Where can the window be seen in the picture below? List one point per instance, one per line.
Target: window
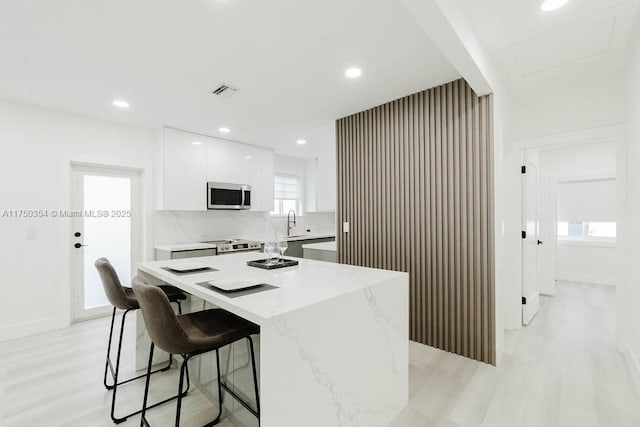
(287, 194)
(587, 230)
(587, 210)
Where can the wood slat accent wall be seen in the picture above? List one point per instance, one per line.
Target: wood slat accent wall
(415, 183)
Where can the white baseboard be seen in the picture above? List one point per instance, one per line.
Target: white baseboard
(33, 327)
(634, 364)
(598, 279)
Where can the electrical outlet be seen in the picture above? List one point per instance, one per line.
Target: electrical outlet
(31, 233)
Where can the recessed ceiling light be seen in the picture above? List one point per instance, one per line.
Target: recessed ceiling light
(224, 130)
(549, 5)
(247, 157)
(120, 103)
(301, 141)
(197, 143)
(353, 73)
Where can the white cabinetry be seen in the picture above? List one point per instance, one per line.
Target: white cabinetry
(220, 160)
(184, 165)
(266, 178)
(187, 167)
(252, 159)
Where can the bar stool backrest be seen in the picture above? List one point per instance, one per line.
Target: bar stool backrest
(112, 286)
(159, 318)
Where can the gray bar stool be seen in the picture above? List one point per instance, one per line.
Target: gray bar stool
(123, 298)
(191, 335)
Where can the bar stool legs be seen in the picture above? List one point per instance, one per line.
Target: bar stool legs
(115, 372)
(184, 372)
(179, 396)
(255, 412)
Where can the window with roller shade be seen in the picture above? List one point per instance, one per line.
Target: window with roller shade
(287, 194)
(587, 210)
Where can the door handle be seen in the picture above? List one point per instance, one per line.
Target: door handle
(79, 245)
(539, 242)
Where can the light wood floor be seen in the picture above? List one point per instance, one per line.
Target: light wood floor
(562, 370)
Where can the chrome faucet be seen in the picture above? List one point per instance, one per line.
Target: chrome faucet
(289, 226)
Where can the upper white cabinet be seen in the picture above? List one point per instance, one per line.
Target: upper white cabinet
(191, 160)
(184, 167)
(265, 177)
(221, 159)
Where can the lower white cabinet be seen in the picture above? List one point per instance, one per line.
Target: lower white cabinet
(191, 160)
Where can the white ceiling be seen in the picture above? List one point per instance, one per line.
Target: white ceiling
(165, 56)
(579, 44)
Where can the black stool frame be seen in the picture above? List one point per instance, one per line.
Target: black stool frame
(184, 371)
(108, 367)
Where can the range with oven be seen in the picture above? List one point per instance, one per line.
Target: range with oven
(235, 245)
(208, 248)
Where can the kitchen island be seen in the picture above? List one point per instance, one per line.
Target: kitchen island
(333, 338)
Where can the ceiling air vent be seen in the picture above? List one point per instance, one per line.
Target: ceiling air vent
(224, 91)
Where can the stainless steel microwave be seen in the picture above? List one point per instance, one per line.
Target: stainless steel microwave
(221, 195)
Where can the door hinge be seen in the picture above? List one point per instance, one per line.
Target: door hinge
(524, 300)
(523, 169)
(524, 234)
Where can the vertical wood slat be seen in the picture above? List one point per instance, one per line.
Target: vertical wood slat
(415, 182)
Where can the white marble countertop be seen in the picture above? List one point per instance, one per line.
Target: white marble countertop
(185, 246)
(306, 284)
(324, 246)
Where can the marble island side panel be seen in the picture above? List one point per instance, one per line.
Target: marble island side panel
(344, 360)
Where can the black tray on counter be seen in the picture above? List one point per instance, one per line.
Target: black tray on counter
(281, 263)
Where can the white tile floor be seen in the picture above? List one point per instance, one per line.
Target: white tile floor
(562, 370)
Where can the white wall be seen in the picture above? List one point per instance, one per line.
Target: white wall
(311, 185)
(508, 267)
(37, 148)
(629, 227)
(326, 169)
(289, 165)
(540, 114)
(587, 262)
(575, 161)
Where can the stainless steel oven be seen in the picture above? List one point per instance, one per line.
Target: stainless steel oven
(235, 245)
(221, 195)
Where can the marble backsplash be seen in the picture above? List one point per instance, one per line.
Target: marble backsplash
(196, 226)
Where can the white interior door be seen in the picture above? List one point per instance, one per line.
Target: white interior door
(548, 232)
(105, 223)
(530, 292)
